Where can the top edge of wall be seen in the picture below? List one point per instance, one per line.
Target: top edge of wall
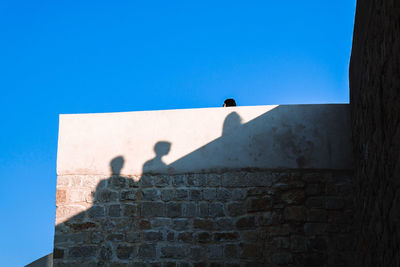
(310, 136)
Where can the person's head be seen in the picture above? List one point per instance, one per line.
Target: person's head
(230, 102)
(116, 165)
(162, 148)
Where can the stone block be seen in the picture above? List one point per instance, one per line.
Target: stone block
(315, 202)
(282, 258)
(293, 197)
(146, 180)
(203, 224)
(197, 180)
(334, 203)
(96, 212)
(197, 253)
(234, 180)
(224, 194)
(82, 252)
(278, 242)
(314, 189)
(153, 209)
(251, 235)
(215, 252)
(179, 180)
(213, 180)
(189, 210)
(61, 196)
(167, 194)
(117, 182)
(162, 180)
(216, 210)
(114, 210)
(195, 194)
(130, 194)
(133, 237)
(316, 215)
(129, 210)
(170, 236)
(152, 236)
(235, 209)
(173, 252)
(150, 194)
(294, 213)
(180, 224)
(248, 222)
(231, 251)
(279, 230)
(224, 223)
(271, 218)
(186, 237)
(319, 244)
(239, 194)
(315, 228)
(257, 204)
(182, 194)
(115, 237)
(298, 243)
(125, 252)
(96, 238)
(259, 179)
(161, 223)
(106, 252)
(209, 194)
(147, 251)
(174, 209)
(250, 251)
(105, 195)
(203, 209)
(226, 236)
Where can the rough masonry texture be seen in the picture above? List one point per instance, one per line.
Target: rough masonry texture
(241, 218)
(247, 186)
(375, 103)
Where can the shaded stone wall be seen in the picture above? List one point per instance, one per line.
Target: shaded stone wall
(375, 104)
(237, 218)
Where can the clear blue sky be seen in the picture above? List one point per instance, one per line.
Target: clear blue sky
(108, 56)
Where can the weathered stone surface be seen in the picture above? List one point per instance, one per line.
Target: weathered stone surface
(147, 251)
(153, 209)
(374, 97)
(82, 252)
(177, 220)
(173, 252)
(124, 252)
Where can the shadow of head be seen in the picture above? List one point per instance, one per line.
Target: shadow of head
(116, 165)
(162, 148)
(232, 122)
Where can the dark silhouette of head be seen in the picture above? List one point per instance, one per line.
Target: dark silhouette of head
(162, 148)
(230, 102)
(116, 165)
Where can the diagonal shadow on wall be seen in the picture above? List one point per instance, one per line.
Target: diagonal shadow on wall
(159, 217)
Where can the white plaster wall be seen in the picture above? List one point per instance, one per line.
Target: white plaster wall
(286, 136)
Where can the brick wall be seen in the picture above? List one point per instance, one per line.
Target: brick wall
(375, 103)
(240, 218)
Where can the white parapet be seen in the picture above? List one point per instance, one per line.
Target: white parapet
(208, 139)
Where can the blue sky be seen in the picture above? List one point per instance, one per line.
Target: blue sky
(107, 56)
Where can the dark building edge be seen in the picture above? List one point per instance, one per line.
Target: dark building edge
(375, 106)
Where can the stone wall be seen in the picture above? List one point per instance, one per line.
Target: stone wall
(235, 218)
(375, 103)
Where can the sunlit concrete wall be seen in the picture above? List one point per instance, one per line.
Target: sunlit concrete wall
(194, 140)
(244, 186)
